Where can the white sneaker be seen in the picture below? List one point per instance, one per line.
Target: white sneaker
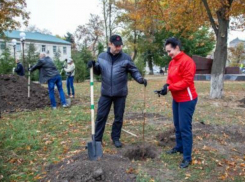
(54, 108)
(65, 106)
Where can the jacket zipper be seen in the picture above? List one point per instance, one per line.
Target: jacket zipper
(111, 72)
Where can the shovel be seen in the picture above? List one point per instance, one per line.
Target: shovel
(94, 147)
(29, 82)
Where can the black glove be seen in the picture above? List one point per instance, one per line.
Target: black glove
(91, 64)
(164, 90)
(158, 92)
(29, 69)
(145, 82)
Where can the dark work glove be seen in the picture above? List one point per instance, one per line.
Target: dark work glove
(164, 90)
(158, 92)
(91, 64)
(145, 82)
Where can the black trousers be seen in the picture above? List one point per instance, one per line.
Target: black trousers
(104, 107)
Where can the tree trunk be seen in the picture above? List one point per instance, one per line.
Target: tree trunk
(135, 48)
(150, 64)
(110, 16)
(105, 22)
(220, 57)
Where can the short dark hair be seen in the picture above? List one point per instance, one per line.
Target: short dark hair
(174, 42)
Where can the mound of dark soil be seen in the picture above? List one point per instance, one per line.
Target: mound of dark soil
(79, 169)
(13, 94)
(140, 151)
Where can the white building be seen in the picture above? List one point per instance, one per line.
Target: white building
(42, 42)
(235, 42)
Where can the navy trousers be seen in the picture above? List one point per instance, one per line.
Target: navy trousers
(182, 115)
(104, 107)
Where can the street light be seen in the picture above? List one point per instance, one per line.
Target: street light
(14, 45)
(22, 39)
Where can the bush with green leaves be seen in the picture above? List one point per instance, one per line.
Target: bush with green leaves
(31, 57)
(7, 62)
(81, 59)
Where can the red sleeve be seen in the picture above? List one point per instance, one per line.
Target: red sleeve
(188, 73)
(169, 66)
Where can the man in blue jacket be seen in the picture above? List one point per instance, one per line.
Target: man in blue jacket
(19, 68)
(113, 66)
(48, 73)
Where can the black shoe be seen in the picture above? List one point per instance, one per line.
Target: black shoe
(173, 151)
(117, 143)
(185, 164)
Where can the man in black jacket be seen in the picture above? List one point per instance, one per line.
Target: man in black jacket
(48, 73)
(113, 66)
(19, 68)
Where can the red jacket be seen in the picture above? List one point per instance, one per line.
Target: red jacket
(181, 72)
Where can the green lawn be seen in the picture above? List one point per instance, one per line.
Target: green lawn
(29, 141)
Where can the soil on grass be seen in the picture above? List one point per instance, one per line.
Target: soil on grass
(166, 138)
(140, 151)
(79, 168)
(242, 103)
(14, 96)
(210, 135)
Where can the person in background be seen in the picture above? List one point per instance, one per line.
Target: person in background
(19, 68)
(70, 73)
(48, 73)
(113, 66)
(180, 82)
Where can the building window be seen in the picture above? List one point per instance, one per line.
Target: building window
(64, 50)
(2, 45)
(18, 47)
(43, 48)
(54, 49)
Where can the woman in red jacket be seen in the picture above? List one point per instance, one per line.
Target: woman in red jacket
(180, 83)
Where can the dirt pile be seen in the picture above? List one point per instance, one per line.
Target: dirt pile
(13, 94)
(140, 151)
(79, 169)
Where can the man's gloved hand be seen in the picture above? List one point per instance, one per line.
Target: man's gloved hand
(145, 82)
(29, 69)
(91, 64)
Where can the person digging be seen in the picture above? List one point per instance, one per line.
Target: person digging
(48, 73)
(113, 66)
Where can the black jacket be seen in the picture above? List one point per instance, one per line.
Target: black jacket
(20, 69)
(47, 69)
(114, 74)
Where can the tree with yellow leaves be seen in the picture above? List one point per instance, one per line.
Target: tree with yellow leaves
(9, 10)
(189, 15)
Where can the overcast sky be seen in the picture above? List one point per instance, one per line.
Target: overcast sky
(62, 16)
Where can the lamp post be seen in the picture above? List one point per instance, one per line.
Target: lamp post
(14, 46)
(22, 39)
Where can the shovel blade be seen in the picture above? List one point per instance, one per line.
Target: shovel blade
(94, 150)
